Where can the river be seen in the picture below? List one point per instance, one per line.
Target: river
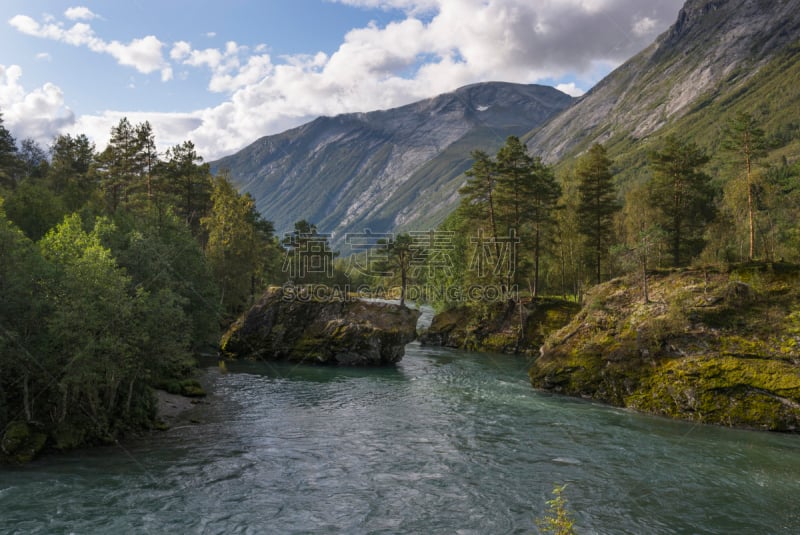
(445, 442)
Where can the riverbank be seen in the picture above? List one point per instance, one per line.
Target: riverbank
(186, 405)
(172, 407)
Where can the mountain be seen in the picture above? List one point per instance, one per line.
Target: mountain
(385, 170)
(401, 169)
(719, 57)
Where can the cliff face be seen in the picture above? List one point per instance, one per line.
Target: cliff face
(713, 347)
(288, 325)
(385, 170)
(711, 52)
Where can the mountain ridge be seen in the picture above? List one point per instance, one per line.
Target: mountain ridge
(400, 169)
(713, 48)
(387, 169)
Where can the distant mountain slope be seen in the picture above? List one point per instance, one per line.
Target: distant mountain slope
(720, 56)
(385, 170)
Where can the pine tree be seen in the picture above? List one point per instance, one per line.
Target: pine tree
(71, 174)
(398, 261)
(187, 181)
(146, 158)
(745, 141)
(127, 163)
(598, 204)
(9, 162)
(682, 196)
(542, 205)
(478, 194)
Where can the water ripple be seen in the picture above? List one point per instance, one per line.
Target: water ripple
(445, 442)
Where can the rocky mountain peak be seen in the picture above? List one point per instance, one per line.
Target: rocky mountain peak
(385, 170)
(692, 14)
(713, 46)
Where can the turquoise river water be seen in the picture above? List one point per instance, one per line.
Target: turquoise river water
(445, 442)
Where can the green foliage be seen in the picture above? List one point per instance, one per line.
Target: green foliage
(71, 172)
(9, 162)
(107, 339)
(159, 254)
(744, 139)
(682, 197)
(527, 194)
(22, 307)
(309, 258)
(35, 208)
(507, 214)
(397, 264)
(597, 204)
(119, 290)
(185, 182)
(558, 519)
(238, 245)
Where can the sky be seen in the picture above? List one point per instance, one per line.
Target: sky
(223, 74)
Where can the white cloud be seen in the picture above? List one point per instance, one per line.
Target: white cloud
(142, 54)
(432, 47)
(409, 6)
(39, 114)
(80, 13)
(44, 56)
(571, 89)
(383, 66)
(644, 26)
(230, 68)
(170, 129)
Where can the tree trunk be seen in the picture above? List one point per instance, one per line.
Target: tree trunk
(26, 399)
(130, 397)
(645, 289)
(536, 245)
(748, 166)
(403, 282)
(752, 253)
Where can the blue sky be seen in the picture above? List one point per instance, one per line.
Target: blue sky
(226, 73)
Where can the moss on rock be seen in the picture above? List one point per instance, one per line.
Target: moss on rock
(507, 327)
(21, 443)
(749, 392)
(711, 346)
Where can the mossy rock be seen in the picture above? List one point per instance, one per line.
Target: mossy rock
(742, 392)
(191, 389)
(708, 347)
(21, 442)
(183, 387)
(284, 325)
(507, 327)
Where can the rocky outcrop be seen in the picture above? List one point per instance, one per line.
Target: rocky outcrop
(510, 327)
(288, 325)
(709, 346)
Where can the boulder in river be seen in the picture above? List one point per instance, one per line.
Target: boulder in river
(288, 325)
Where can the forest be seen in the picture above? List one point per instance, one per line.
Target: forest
(118, 267)
(576, 224)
